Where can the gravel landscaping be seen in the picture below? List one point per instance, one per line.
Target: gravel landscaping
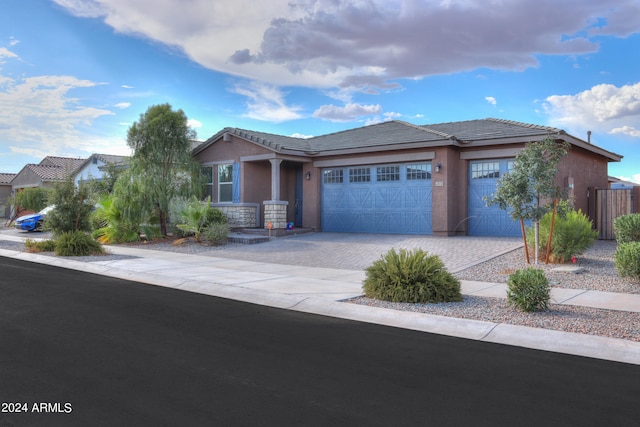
(599, 274)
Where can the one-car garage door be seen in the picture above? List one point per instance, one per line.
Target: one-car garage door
(488, 220)
(393, 199)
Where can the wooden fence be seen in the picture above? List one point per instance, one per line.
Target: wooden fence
(611, 204)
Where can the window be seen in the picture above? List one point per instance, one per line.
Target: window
(332, 176)
(388, 173)
(207, 172)
(360, 175)
(225, 183)
(485, 170)
(419, 171)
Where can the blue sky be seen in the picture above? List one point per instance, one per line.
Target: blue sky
(75, 74)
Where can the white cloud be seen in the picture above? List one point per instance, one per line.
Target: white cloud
(322, 43)
(491, 100)
(349, 112)
(127, 87)
(39, 114)
(123, 105)
(193, 123)
(301, 135)
(634, 178)
(6, 53)
(626, 130)
(604, 108)
(266, 102)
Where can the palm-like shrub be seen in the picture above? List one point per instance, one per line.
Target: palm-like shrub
(573, 234)
(627, 260)
(528, 290)
(111, 226)
(627, 228)
(193, 217)
(411, 277)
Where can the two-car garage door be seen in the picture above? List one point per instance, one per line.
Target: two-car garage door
(393, 198)
(396, 199)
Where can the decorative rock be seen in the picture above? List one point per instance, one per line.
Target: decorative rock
(568, 269)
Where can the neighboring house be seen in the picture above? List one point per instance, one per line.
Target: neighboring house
(393, 177)
(616, 183)
(95, 166)
(46, 173)
(5, 193)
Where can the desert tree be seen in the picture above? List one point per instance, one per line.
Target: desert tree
(161, 164)
(529, 187)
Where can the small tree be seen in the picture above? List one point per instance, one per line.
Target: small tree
(72, 208)
(532, 180)
(29, 199)
(162, 164)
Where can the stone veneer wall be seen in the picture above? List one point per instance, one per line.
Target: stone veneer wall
(275, 211)
(240, 215)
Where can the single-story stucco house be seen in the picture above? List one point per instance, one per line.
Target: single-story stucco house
(96, 166)
(5, 193)
(50, 170)
(392, 177)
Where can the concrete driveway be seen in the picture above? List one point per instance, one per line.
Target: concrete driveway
(350, 251)
(354, 251)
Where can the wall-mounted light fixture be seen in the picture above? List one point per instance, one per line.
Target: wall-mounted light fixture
(308, 176)
(438, 167)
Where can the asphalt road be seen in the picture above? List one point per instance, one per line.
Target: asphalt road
(79, 349)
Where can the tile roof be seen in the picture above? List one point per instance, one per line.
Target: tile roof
(69, 163)
(5, 178)
(394, 134)
(48, 172)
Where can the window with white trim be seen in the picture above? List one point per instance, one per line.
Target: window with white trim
(207, 172)
(225, 183)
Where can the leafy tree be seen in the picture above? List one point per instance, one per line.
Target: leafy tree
(162, 164)
(99, 187)
(531, 181)
(29, 199)
(73, 208)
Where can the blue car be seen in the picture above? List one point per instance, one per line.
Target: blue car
(34, 221)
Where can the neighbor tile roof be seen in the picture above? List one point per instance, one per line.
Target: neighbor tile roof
(5, 178)
(69, 163)
(49, 172)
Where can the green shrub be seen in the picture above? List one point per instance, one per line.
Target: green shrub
(528, 290)
(411, 277)
(573, 234)
(216, 233)
(77, 243)
(627, 228)
(627, 259)
(216, 216)
(34, 246)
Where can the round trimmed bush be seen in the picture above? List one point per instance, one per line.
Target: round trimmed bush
(627, 260)
(528, 290)
(627, 228)
(411, 277)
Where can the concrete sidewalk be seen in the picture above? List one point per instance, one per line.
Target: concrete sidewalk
(319, 291)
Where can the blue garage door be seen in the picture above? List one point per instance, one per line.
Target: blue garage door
(488, 220)
(393, 199)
